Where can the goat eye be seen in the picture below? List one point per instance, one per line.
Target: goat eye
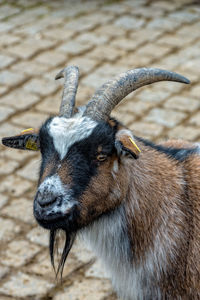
(101, 157)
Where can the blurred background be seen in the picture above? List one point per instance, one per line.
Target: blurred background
(103, 38)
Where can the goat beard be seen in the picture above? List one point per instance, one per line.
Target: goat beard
(53, 247)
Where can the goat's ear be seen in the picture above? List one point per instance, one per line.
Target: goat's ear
(27, 140)
(125, 144)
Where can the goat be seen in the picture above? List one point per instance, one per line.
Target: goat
(135, 202)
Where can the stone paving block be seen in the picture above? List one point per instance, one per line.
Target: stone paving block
(30, 47)
(135, 4)
(20, 99)
(50, 105)
(11, 78)
(93, 38)
(30, 170)
(165, 5)
(126, 45)
(7, 168)
(86, 290)
(8, 231)
(153, 96)
(5, 27)
(24, 51)
(184, 132)
(41, 87)
(15, 186)
(3, 90)
(84, 94)
(125, 117)
(173, 40)
(164, 24)
(18, 155)
(3, 201)
(106, 53)
(31, 68)
(134, 60)
(153, 50)
(195, 119)
(94, 80)
(69, 9)
(42, 265)
(81, 252)
(30, 119)
(102, 74)
(144, 35)
(7, 39)
(129, 22)
(189, 33)
(74, 48)
(5, 112)
(110, 31)
(96, 270)
(39, 236)
(135, 106)
(195, 91)
(60, 34)
(6, 129)
(148, 12)
(182, 103)
(51, 58)
(189, 52)
(8, 10)
(146, 130)
(190, 68)
(89, 22)
(117, 8)
(18, 253)
(20, 19)
(168, 118)
(171, 62)
(21, 209)
(185, 16)
(6, 61)
(3, 271)
(23, 285)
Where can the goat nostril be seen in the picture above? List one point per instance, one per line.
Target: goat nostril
(46, 202)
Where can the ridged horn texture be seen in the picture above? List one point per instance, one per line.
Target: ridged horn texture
(111, 93)
(71, 75)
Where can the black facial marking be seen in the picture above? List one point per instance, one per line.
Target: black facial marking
(83, 156)
(47, 148)
(179, 154)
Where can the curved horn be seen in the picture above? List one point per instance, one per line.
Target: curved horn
(111, 93)
(71, 75)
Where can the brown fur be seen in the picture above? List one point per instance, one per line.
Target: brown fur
(163, 190)
(102, 186)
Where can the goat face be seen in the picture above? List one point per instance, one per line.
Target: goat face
(80, 177)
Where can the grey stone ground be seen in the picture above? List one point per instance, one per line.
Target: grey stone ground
(38, 38)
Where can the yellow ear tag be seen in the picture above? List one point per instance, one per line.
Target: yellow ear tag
(32, 145)
(134, 144)
(27, 130)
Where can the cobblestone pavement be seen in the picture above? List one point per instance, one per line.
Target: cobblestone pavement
(38, 38)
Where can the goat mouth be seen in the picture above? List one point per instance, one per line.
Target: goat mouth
(52, 220)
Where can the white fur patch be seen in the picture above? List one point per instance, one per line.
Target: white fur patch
(53, 187)
(66, 132)
(108, 238)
